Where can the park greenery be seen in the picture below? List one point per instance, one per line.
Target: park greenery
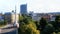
(29, 26)
(3, 23)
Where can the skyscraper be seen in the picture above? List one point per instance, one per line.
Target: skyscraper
(23, 9)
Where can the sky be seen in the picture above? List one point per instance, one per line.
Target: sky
(38, 6)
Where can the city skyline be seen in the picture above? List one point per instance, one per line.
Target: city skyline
(40, 6)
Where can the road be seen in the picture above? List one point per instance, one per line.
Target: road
(8, 30)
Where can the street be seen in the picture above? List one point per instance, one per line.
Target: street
(9, 31)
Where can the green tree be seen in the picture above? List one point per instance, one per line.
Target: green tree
(27, 25)
(3, 22)
(43, 23)
(57, 24)
(49, 29)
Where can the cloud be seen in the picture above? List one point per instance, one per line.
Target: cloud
(33, 5)
(44, 5)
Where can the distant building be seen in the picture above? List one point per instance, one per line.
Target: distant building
(53, 17)
(14, 19)
(47, 17)
(31, 13)
(38, 16)
(7, 17)
(10, 17)
(23, 9)
(1, 17)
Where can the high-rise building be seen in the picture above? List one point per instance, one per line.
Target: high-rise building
(23, 9)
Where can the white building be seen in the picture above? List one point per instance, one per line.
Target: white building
(10, 17)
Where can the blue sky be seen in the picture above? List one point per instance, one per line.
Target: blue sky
(40, 6)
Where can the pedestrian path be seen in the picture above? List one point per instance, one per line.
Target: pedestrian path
(8, 25)
(7, 30)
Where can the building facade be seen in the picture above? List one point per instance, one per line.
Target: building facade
(23, 9)
(1, 17)
(38, 16)
(10, 17)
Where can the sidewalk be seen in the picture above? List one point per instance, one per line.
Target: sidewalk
(8, 25)
(7, 30)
